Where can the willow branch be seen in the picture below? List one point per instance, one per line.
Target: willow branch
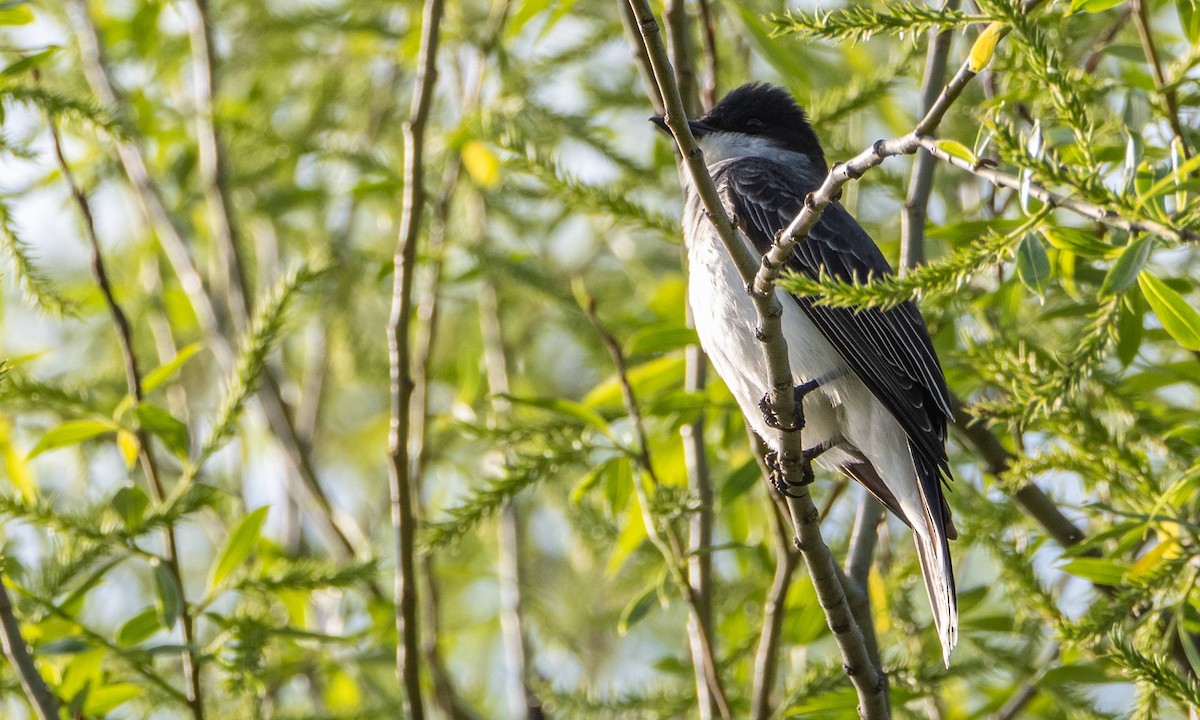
(191, 668)
(920, 183)
(708, 91)
(399, 357)
(868, 681)
(679, 40)
(766, 658)
(1083, 208)
(666, 542)
(200, 296)
(44, 702)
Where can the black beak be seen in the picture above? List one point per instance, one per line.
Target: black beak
(699, 127)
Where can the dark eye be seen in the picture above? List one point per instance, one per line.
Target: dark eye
(754, 124)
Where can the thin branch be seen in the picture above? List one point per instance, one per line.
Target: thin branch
(522, 702)
(1080, 207)
(920, 183)
(666, 543)
(191, 667)
(766, 659)
(641, 59)
(863, 539)
(400, 359)
(1029, 689)
(868, 681)
(708, 91)
(44, 702)
(1141, 20)
(682, 58)
(1103, 40)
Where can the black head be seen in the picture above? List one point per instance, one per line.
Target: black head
(765, 111)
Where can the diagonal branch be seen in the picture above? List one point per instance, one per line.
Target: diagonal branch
(44, 702)
(400, 361)
(191, 666)
(868, 681)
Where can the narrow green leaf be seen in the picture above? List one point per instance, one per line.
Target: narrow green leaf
(1189, 18)
(1094, 6)
(168, 597)
(637, 609)
(1079, 241)
(958, 150)
(71, 432)
(16, 15)
(241, 543)
(1097, 570)
(1125, 270)
(1033, 266)
(985, 46)
(138, 628)
(161, 424)
(167, 370)
(740, 481)
(28, 62)
(1178, 318)
(660, 339)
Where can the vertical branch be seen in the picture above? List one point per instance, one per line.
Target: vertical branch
(44, 702)
(695, 456)
(666, 542)
(211, 156)
(191, 668)
(522, 702)
(641, 59)
(399, 356)
(708, 91)
(787, 559)
(920, 183)
(1170, 101)
(863, 539)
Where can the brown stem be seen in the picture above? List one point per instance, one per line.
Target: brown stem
(191, 668)
(766, 659)
(400, 359)
(44, 702)
(708, 92)
(666, 543)
(1141, 20)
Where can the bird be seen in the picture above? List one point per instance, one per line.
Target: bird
(869, 387)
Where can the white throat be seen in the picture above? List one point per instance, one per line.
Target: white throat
(718, 146)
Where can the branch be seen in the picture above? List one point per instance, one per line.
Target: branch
(1080, 207)
(680, 42)
(44, 702)
(666, 543)
(1141, 20)
(766, 659)
(522, 702)
(708, 93)
(400, 357)
(191, 667)
(868, 681)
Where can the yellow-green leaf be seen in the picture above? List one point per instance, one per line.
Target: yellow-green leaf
(958, 150)
(16, 15)
(15, 467)
(241, 543)
(985, 46)
(72, 432)
(129, 446)
(481, 163)
(1178, 318)
(1094, 6)
(139, 627)
(1125, 270)
(167, 370)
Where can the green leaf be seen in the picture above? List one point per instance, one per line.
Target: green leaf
(28, 62)
(1178, 318)
(1094, 6)
(1033, 267)
(1130, 330)
(167, 370)
(1189, 18)
(1097, 570)
(637, 609)
(139, 628)
(568, 408)
(592, 479)
(168, 597)
(15, 15)
(1125, 270)
(241, 543)
(958, 150)
(131, 503)
(1079, 241)
(110, 696)
(660, 339)
(740, 481)
(161, 424)
(71, 432)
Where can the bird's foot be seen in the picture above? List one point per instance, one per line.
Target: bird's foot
(779, 479)
(799, 392)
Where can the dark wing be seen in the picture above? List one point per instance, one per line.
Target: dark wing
(889, 350)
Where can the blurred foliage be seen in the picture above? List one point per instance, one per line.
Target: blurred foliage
(1076, 344)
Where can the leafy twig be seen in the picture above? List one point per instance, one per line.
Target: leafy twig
(44, 702)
